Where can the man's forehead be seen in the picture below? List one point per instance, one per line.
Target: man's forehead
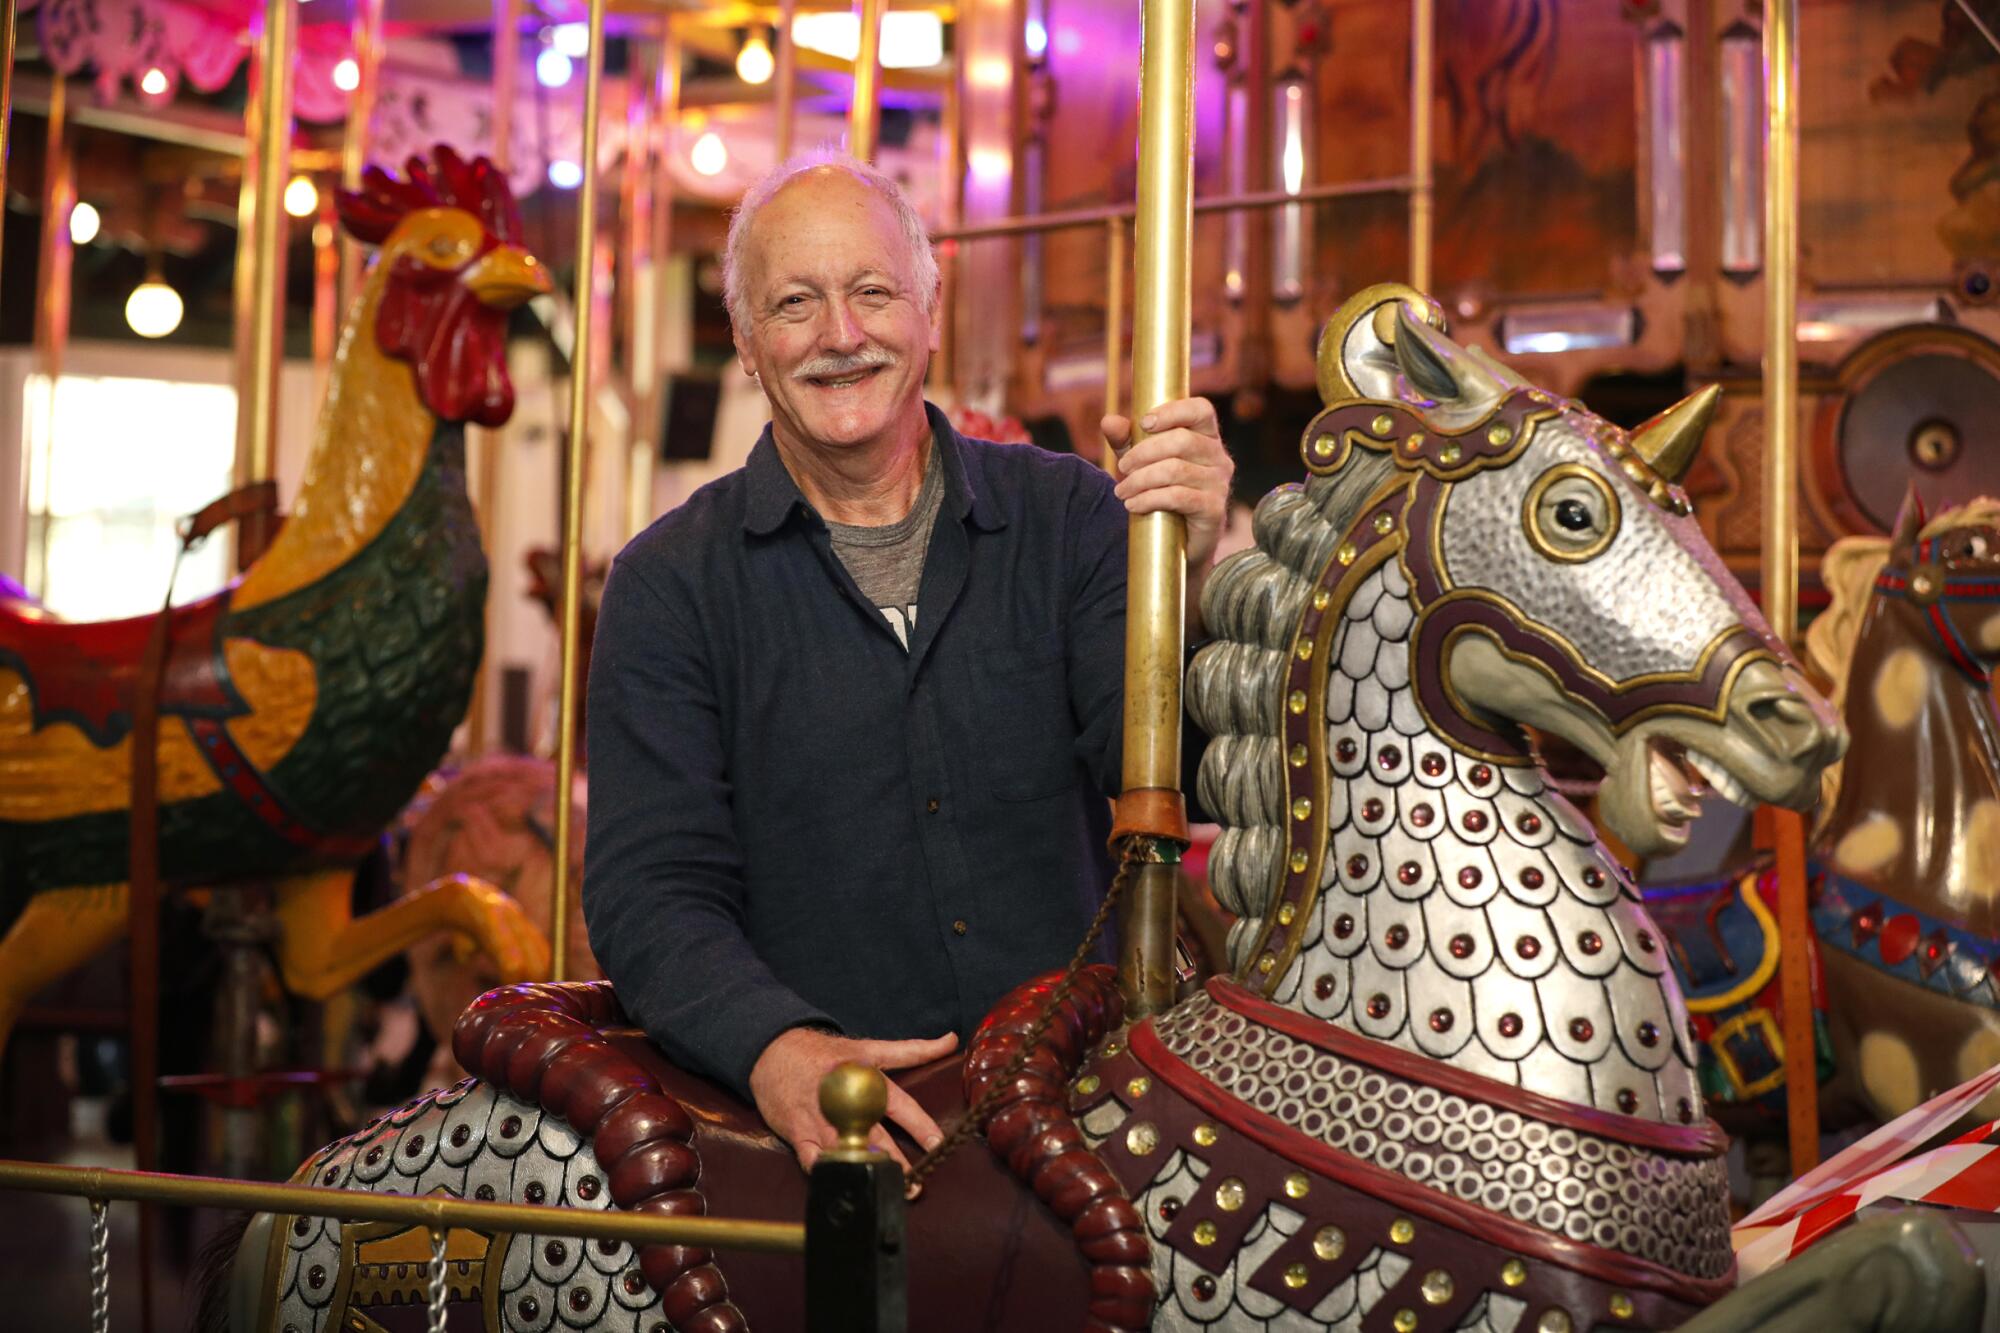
(825, 226)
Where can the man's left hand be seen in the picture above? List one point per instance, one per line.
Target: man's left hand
(1181, 467)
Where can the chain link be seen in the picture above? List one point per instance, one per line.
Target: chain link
(100, 1266)
(439, 1288)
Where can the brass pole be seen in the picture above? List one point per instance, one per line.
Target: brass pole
(787, 75)
(367, 38)
(53, 300)
(1114, 325)
(258, 399)
(864, 117)
(638, 285)
(574, 449)
(7, 88)
(486, 449)
(326, 293)
(1423, 83)
(1151, 812)
(1781, 540)
(654, 236)
(436, 1210)
(950, 168)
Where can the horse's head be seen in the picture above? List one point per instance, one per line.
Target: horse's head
(1558, 580)
(1947, 567)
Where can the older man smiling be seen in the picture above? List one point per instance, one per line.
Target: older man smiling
(854, 708)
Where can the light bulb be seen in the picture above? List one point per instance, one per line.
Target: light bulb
(1037, 39)
(83, 224)
(572, 39)
(553, 68)
(754, 63)
(347, 75)
(709, 154)
(301, 197)
(153, 309)
(153, 82)
(564, 174)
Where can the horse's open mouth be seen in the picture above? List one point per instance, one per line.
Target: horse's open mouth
(1679, 777)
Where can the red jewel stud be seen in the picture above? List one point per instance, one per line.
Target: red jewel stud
(1686, 1112)
(1409, 872)
(1628, 1100)
(1420, 815)
(1647, 942)
(1357, 866)
(1475, 821)
(1531, 824)
(1481, 775)
(1343, 926)
(1469, 877)
(1396, 937)
(1389, 757)
(1441, 1020)
(1345, 751)
(1371, 810)
(1593, 877)
(1531, 878)
(1580, 1029)
(1461, 946)
(1590, 942)
(1378, 1006)
(1649, 1034)
(1433, 765)
(1528, 946)
(1510, 1026)
(1323, 987)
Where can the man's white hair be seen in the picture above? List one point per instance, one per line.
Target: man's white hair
(923, 267)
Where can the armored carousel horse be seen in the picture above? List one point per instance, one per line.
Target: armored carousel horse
(1449, 1084)
(1905, 872)
(303, 704)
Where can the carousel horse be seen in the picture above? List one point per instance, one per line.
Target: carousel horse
(303, 704)
(1906, 863)
(1449, 1084)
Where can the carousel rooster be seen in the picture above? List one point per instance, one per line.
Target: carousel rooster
(302, 705)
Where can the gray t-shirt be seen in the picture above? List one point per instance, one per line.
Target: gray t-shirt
(887, 563)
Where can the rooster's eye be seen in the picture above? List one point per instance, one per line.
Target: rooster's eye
(442, 246)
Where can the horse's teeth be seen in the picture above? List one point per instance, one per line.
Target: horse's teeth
(1718, 779)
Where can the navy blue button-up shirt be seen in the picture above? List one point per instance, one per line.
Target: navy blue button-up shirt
(794, 820)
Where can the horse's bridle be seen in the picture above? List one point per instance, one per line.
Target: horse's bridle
(1928, 587)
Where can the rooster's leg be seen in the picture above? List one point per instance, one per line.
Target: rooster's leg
(58, 932)
(322, 949)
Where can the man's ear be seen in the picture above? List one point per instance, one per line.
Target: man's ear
(743, 357)
(937, 317)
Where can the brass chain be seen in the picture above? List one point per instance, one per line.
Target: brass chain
(438, 1286)
(975, 1115)
(100, 1266)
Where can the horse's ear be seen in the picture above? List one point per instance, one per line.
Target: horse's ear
(1357, 349)
(1910, 519)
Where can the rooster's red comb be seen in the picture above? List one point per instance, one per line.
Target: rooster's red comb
(446, 181)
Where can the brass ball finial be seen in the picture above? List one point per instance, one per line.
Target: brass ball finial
(853, 1098)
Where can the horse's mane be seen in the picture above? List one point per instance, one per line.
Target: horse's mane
(1252, 604)
(1848, 571)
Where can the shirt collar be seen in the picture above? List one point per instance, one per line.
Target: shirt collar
(773, 495)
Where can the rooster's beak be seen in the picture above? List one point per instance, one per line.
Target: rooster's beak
(506, 276)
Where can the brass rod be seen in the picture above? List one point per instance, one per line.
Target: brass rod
(326, 292)
(864, 116)
(52, 310)
(944, 366)
(1780, 588)
(440, 1211)
(638, 284)
(267, 308)
(787, 75)
(1979, 23)
(367, 38)
(1114, 325)
(1093, 217)
(1423, 82)
(574, 449)
(7, 88)
(1151, 812)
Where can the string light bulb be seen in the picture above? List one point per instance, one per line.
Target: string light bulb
(553, 68)
(153, 82)
(153, 310)
(83, 224)
(347, 75)
(709, 155)
(301, 197)
(754, 63)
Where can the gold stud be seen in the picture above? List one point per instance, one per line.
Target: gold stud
(1112, 1048)
(1636, 470)
(1305, 649)
(1323, 446)
(1328, 1242)
(1205, 1135)
(1142, 1138)
(1385, 523)
(1513, 1272)
(1229, 1195)
(1382, 424)
(1204, 1233)
(1346, 553)
(1296, 1276)
(1266, 963)
(1298, 861)
(1298, 756)
(1296, 1185)
(1405, 1321)
(1302, 808)
(1415, 442)
(1402, 1231)
(1499, 433)
(1297, 702)
(1621, 1305)
(1437, 1287)
(1086, 1085)
(1138, 1087)
(1553, 1321)
(1287, 913)
(1322, 600)
(1449, 455)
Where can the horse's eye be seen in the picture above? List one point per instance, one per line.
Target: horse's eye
(1573, 515)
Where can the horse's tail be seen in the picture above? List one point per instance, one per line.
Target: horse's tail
(225, 1276)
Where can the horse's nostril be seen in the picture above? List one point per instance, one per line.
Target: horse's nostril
(1781, 709)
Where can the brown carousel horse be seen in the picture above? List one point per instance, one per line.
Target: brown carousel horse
(1906, 861)
(1449, 1085)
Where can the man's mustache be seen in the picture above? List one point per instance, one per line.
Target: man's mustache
(831, 364)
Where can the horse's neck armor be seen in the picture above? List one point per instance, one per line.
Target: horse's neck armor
(1466, 912)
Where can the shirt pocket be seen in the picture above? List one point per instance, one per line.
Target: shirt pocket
(1030, 739)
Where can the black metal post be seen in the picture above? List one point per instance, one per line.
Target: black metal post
(857, 1273)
